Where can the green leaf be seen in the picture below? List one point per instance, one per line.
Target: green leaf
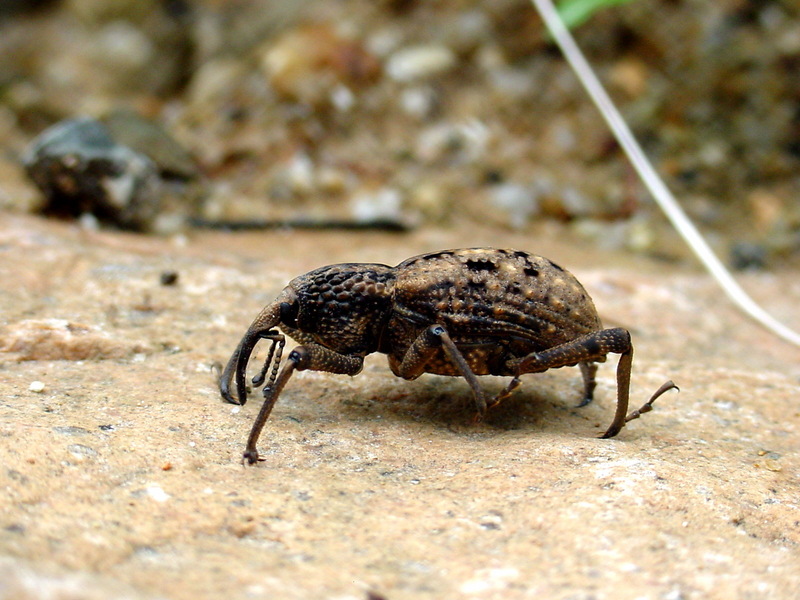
(577, 12)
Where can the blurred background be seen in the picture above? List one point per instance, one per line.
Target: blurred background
(403, 113)
(126, 126)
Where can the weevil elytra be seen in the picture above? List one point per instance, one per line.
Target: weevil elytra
(463, 313)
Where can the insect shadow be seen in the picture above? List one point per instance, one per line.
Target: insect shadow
(447, 403)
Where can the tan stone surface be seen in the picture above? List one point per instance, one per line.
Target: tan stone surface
(121, 478)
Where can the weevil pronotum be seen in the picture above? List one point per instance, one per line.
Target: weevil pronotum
(464, 313)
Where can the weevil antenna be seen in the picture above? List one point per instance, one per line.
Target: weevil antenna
(275, 351)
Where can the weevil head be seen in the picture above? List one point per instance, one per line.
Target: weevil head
(342, 307)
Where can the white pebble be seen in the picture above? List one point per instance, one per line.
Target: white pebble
(418, 101)
(419, 62)
(342, 98)
(122, 43)
(466, 142)
(385, 203)
(518, 201)
(300, 173)
(157, 493)
(36, 386)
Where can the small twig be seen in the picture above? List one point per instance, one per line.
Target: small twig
(386, 224)
(651, 179)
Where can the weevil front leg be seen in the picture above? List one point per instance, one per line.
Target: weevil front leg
(309, 357)
(588, 349)
(424, 347)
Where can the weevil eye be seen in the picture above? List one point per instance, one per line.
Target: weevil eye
(289, 313)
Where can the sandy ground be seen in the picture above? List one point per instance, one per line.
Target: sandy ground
(122, 476)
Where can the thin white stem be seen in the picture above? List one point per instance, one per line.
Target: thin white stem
(651, 179)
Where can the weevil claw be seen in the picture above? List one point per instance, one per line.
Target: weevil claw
(251, 457)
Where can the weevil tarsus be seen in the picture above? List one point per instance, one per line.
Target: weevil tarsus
(648, 406)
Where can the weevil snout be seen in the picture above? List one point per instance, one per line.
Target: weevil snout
(282, 311)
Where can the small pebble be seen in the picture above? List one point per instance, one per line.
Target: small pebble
(385, 203)
(300, 173)
(36, 386)
(316, 65)
(748, 256)
(168, 278)
(418, 102)
(466, 142)
(631, 76)
(71, 430)
(342, 98)
(518, 201)
(419, 62)
(81, 452)
(157, 493)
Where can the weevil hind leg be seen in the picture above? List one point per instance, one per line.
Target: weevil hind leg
(588, 349)
(589, 372)
(512, 386)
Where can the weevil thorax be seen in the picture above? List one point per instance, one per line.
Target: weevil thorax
(343, 307)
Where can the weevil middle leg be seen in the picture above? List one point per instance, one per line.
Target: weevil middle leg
(425, 346)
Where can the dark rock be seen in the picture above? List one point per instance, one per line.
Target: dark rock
(168, 278)
(748, 256)
(81, 169)
(10, 8)
(149, 138)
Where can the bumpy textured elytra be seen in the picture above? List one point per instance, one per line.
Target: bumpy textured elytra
(476, 311)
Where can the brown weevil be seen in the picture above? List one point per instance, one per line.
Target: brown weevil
(463, 313)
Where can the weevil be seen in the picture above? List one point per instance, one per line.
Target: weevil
(462, 313)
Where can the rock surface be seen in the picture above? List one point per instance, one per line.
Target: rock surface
(122, 478)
